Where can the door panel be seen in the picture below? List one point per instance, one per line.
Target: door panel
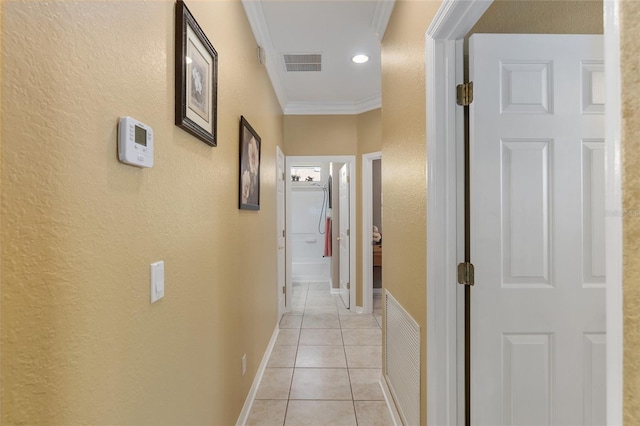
(537, 230)
(593, 195)
(525, 209)
(344, 235)
(526, 370)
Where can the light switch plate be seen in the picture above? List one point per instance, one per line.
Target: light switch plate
(157, 281)
(244, 364)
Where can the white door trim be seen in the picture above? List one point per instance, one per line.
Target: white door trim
(613, 203)
(351, 161)
(367, 225)
(453, 21)
(281, 309)
(445, 312)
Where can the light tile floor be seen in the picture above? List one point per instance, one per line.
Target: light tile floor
(325, 367)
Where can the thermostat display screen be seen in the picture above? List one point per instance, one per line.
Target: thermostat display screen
(141, 136)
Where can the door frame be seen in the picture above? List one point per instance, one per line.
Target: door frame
(445, 373)
(279, 206)
(346, 159)
(367, 223)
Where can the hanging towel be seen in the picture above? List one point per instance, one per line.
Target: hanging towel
(327, 238)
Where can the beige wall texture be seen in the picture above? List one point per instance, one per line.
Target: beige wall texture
(404, 163)
(540, 17)
(81, 343)
(315, 135)
(630, 64)
(318, 135)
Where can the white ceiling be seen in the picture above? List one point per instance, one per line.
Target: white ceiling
(336, 29)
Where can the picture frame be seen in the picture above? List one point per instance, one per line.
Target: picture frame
(196, 82)
(249, 183)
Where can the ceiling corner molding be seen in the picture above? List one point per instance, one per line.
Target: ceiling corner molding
(318, 108)
(257, 21)
(381, 16)
(333, 108)
(368, 104)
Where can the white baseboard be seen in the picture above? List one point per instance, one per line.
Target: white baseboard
(377, 291)
(248, 403)
(335, 291)
(359, 309)
(391, 405)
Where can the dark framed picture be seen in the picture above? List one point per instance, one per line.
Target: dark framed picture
(196, 78)
(249, 167)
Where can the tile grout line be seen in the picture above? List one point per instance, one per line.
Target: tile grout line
(306, 308)
(293, 372)
(344, 348)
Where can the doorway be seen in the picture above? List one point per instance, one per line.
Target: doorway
(444, 56)
(314, 266)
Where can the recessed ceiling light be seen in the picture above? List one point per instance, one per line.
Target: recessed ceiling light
(360, 59)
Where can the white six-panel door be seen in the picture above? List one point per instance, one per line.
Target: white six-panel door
(537, 230)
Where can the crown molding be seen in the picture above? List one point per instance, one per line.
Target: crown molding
(333, 108)
(381, 16)
(257, 21)
(256, 17)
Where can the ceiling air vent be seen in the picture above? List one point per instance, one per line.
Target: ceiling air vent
(303, 62)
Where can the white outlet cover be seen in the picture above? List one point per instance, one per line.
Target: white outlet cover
(157, 281)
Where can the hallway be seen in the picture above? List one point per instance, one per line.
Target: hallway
(326, 365)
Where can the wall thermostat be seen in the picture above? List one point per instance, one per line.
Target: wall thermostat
(135, 142)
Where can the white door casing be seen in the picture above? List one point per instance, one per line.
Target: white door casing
(280, 231)
(344, 235)
(537, 229)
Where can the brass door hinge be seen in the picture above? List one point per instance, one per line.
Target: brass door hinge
(284, 290)
(348, 286)
(283, 233)
(466, 274)
(348, 233)
(464, 95)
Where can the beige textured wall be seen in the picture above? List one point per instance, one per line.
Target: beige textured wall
(311, 135)
(540, 16)
(1, 185)
(81, 343)
(369, 131)
(404, 162)
(630, 45)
